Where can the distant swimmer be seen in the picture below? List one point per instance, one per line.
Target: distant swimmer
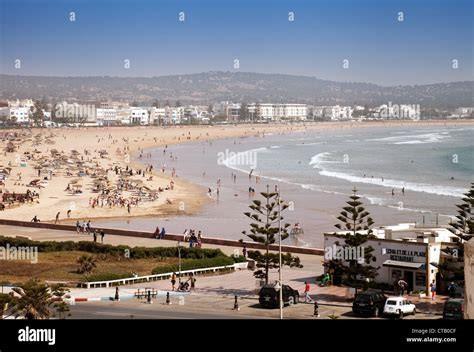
(403, 190)
(393, 192)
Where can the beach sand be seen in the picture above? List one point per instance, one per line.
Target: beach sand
(121, 146)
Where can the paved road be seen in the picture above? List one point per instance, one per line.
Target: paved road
(146, 311)
(210, 307)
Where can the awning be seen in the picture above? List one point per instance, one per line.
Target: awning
(405, 265)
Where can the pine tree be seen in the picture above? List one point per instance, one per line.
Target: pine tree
(356, 222)
(463, 227)
(453, 269)
(265, 230)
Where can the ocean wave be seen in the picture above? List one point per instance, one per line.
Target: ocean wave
(319, 160)
(435, 137)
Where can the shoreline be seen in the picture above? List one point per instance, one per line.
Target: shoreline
(145, 138)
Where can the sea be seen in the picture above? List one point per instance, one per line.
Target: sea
(402, 174)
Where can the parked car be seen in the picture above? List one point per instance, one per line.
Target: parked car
(370, 303)
(399, 306)
(454, 309)
(269, 296)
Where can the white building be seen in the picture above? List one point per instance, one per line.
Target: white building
(106, 116)
(277, 111)
(157, 115)
(173, 115)
(139, 116)
(20, 114)
(232, 112)
(337, 112)
(404, 251)
(397, 259)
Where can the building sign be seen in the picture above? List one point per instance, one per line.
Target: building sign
(403, 255)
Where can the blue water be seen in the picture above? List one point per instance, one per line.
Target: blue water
(316, 171)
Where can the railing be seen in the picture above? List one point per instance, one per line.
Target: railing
(164, 276)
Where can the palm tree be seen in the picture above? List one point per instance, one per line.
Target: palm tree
(87, 263)
(33, 300)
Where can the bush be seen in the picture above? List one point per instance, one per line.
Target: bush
(191, 264)
(107, 276)
(99, 248)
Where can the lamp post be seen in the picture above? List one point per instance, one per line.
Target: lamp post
(279, 254)
(179, 261)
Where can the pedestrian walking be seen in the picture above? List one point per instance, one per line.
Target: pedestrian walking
(307, 297)
(402, 286)
(102, 235)
(433, 290)
(173, 281)
(192, 281)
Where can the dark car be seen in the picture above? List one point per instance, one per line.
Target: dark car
(369, 303)
(269, 296)
(454, 309)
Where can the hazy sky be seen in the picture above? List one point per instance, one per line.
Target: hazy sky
(379, 48)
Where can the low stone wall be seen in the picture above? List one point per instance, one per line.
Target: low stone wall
(168, 236)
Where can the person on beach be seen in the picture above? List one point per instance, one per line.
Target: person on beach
(244, 251)
(94, 235)
(173, 281)
(117, 297)
(162, 233)
(102, 235)
(157, 233)
(57, 217)
(69, 213)
(199, 239)
(35, 219)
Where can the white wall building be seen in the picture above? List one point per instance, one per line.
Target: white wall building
(106, 116)
(173, 115)
(278, 111)
(397, 259)
(20, 114)
(405, 251)
(139, 116)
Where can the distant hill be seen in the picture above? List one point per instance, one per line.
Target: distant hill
(233, 86)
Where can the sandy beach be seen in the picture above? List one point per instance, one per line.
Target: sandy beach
(90, 173)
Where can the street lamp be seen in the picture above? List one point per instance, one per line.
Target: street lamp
(179, 261)
(279, 254)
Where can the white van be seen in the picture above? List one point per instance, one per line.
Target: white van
(399, 306)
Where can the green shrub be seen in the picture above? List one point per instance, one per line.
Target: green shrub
(99, 248)
(107, 276)
(190, 264)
